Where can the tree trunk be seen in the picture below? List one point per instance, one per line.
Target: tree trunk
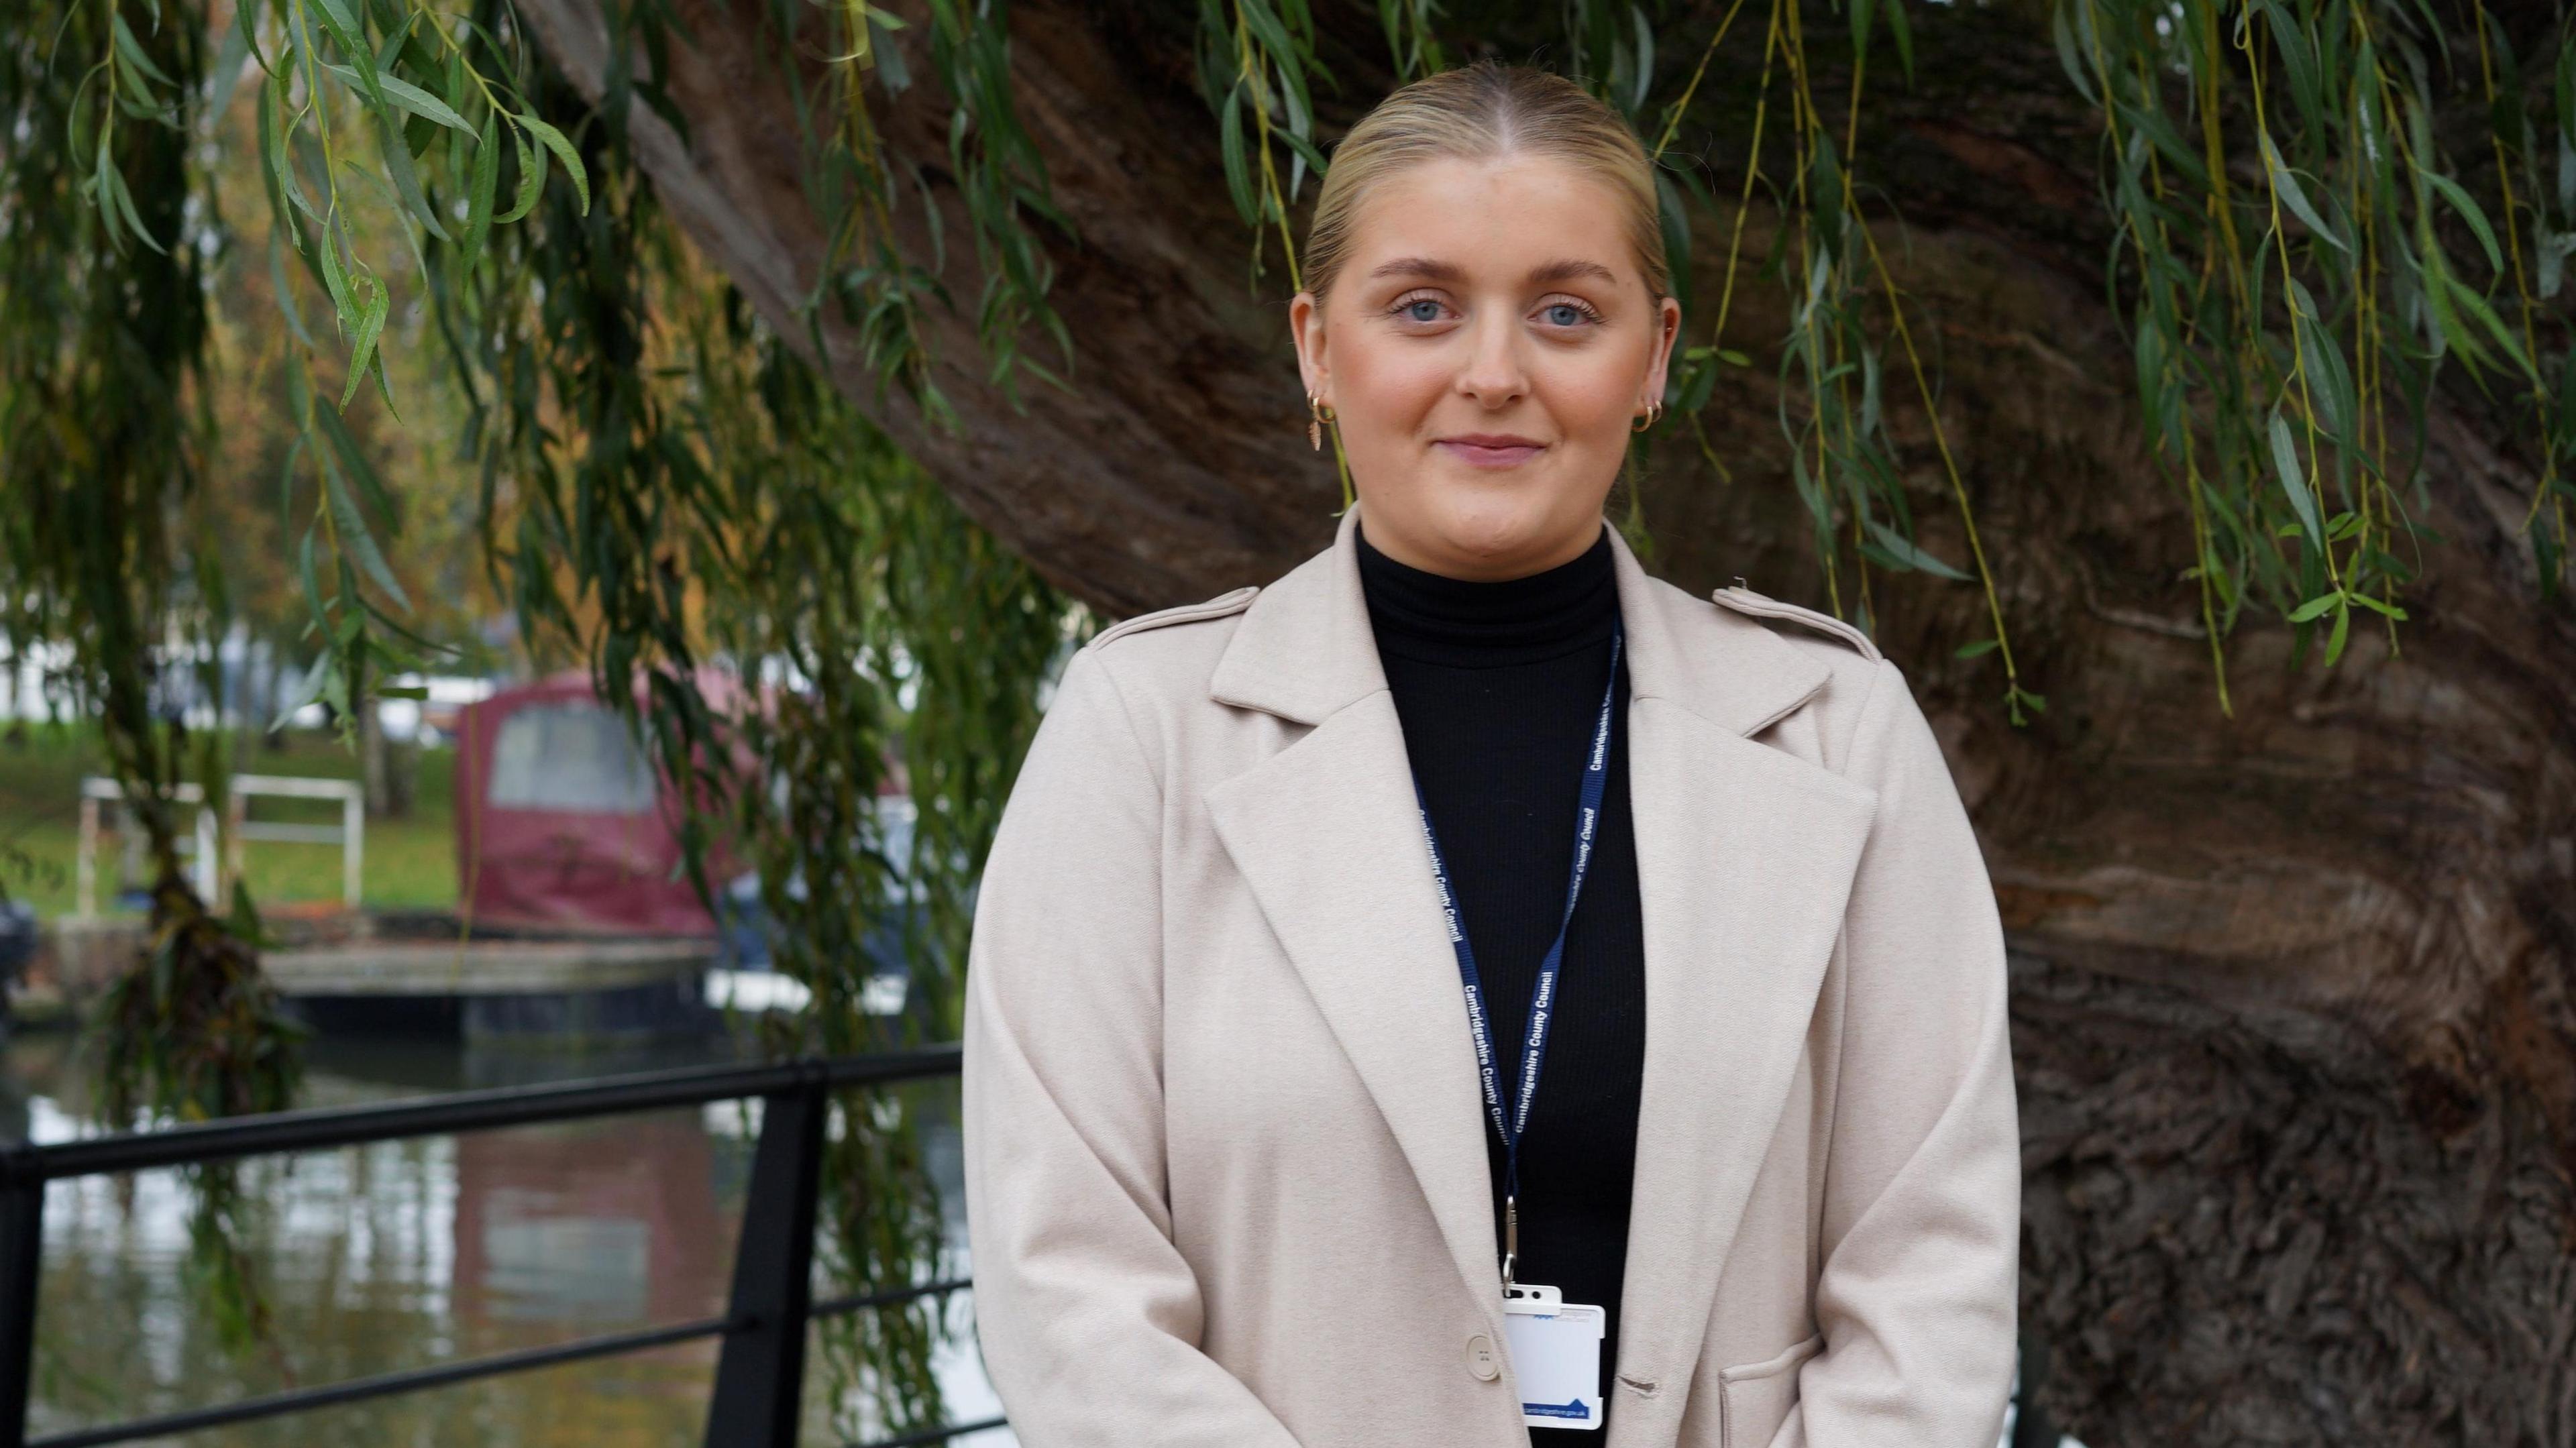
(2293, 988)
(387, 767)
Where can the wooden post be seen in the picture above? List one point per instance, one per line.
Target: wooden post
(85, 867)
(353, 832)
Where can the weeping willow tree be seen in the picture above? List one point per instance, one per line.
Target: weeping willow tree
(787, 607)
(2110, 361)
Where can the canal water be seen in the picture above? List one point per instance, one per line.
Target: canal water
(406, 1254)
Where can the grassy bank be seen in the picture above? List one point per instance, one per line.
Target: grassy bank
(409, 862)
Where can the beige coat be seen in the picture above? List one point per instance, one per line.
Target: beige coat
(1225, 1165)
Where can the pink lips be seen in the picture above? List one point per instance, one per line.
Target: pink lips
(1490, 449)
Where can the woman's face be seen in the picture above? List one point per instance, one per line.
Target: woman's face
(1485, 346)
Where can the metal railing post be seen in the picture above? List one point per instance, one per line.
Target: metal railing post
(22, 1256)
(760, 1376)
(2031, 1428)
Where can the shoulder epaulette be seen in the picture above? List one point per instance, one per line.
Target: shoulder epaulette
(1234, 601)
(1746, 601)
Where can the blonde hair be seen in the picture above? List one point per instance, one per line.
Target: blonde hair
(1478, 112)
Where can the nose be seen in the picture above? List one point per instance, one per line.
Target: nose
(1494, 374)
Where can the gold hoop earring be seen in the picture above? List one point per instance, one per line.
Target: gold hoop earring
(1654, 410)
(1317, 414)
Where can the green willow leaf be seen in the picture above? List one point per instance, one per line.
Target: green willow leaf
(554, 141)
(356, 541)
(286, 304)
(1271, 36)
(406, 180)
(1911, 555)
(1698, 380)
(2287, 183)
(132, 50)
(2299, 58)
(232, 59)
(273, 150)
(1641, 61)
(313, 595)
(2077, 72)
(2476, 306)
(2332, 385)
(337, 13)
(2437, 290)
(2315, 606)
(2335, 639)
(410, 99)
(479, 193)
(125, 207)
(304, 152)
(1238, 172)
(532, 179)
(2470, 212)
(353, 457)
(335, 279)
(102, 182)
(371, 325)
(1307, 155)
(2294, 479)
(2168, 142)
(347, 32)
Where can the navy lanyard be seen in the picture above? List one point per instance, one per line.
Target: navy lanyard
(1542, 1011)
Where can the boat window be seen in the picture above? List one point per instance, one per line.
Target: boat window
(573, 757)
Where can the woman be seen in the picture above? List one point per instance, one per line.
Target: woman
(1267, 1144)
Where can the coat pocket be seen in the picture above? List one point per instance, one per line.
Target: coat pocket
(1757, 1397)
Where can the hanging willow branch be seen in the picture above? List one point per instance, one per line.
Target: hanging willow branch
(665, 490)
(787, 609)
(103, 443)
(1844, 462)
(104, 439)
(2282, 328)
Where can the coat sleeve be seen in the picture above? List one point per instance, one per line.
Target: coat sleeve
(1921, 1219)
(1089, 1317)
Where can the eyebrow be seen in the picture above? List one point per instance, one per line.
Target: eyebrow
(1564, 269)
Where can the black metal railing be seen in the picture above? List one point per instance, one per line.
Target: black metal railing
(760, 1371)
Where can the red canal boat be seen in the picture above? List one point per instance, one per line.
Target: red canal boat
(563, 824)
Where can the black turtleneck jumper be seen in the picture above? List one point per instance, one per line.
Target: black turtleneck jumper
(1498, 686)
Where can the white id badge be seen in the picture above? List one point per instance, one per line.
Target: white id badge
(1556, 1355)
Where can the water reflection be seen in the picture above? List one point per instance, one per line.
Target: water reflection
(404, 1254)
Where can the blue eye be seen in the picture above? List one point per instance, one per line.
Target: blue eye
(1565, 314)
(1422, 309)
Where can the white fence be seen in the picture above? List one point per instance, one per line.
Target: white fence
(214, 848)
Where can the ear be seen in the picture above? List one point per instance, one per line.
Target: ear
(1306, 328)
(1668, 321)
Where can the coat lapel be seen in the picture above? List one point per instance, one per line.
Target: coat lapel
(1745, 855)
(1326, 833)
(1744, 862)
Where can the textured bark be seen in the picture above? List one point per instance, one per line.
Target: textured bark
(2293, 987)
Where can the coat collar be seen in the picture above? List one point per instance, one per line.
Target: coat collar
(1745, 855)
(1304, 649)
